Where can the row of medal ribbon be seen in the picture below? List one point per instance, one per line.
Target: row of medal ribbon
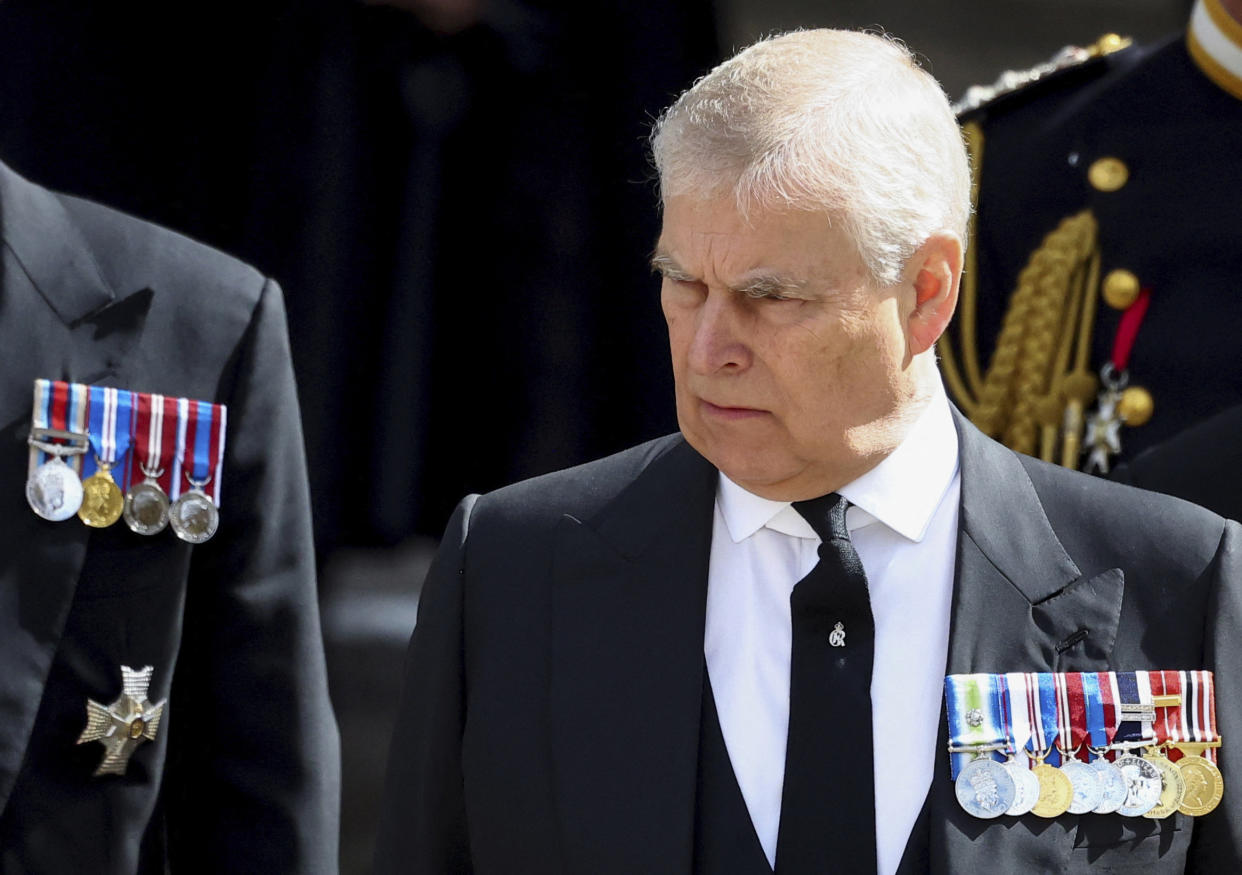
(106, 454)
(1138, 743)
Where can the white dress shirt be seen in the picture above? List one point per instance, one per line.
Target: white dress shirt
(904, 525)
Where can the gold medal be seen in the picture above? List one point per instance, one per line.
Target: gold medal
(102, 501)
(1055, 791)
(1172, 786)
(1204, 783)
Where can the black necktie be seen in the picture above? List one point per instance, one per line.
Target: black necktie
(828, 802)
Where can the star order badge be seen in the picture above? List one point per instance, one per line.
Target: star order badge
(125, 724)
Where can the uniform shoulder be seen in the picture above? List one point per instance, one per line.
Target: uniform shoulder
(1070, 69)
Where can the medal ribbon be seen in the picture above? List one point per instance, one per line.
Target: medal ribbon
(1200, 705)
(1134, 688)
(1042, 697)
(76, 410)
(148, 432)
(1100, 720)
(182, 406)
(974, 712)
(1075, 696)
(41, 418)
(1018, 719)
(1161, 725)
(110, 422)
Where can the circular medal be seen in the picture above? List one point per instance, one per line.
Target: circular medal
(1026, 787)
(1055, 791)
(1172, 787)
(54, 490)
(1204, 785)
(1143, 785)
(984, 788)
(1113, 783)
(102, 502)
(146, 508)
(194, 517)
(1088, 790)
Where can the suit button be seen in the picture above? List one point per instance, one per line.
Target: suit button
(1120, 288)
(1108, 174)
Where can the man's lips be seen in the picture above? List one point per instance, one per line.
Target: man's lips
(720, 411)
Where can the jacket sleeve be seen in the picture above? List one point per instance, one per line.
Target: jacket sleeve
(253, 741)
(1217, 842)
(423, 821)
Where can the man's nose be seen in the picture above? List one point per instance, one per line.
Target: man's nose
(719, 337)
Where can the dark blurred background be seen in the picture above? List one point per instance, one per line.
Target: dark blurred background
(455, 197)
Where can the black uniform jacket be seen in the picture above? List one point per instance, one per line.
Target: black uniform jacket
(1174, 223)
(551, 710)
(243, 775)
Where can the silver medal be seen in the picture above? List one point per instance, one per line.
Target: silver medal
(1143, 785)
(146, 508)
(193, 516)
(54, 490)
(985, 788)
(1113, 783)
(1088, 790)
(1026, 787)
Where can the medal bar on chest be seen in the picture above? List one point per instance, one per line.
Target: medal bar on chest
(109, 424)
(1193, 740)
(984, 787)
(1017, 719)
(146, 502)
(1135, 716)
(194, 513)
(57, 440)
(1072, 733)
(1055, 790)
(1101, 714)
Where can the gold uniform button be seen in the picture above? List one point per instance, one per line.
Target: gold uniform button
(1136, 406)
(1120, 288)
(1108, 174)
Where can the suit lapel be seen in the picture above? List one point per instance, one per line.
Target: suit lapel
(59, 319)
(628, 612)
(1020, 603)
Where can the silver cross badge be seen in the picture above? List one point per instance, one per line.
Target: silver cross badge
(126, 723)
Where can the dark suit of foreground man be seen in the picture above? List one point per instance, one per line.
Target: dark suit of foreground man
(607, 658)
(243, 775)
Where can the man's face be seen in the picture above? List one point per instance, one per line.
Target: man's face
(788, 361)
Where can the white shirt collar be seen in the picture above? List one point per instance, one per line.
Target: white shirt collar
(902, 492)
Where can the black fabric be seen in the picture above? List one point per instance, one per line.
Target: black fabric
(1203, 464)
(554, 682)
(243, 774)
(724, 835)
(828, 801)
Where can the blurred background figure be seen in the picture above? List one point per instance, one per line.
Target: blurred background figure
(455, 197)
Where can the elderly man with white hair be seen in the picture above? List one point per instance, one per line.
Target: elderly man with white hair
(726, 650)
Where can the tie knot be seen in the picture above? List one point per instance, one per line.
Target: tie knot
(826, 515)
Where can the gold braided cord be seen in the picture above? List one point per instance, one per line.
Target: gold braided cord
(967, 395)
(1023, 400)
(970, 287)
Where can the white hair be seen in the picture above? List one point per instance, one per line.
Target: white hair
(830, 121)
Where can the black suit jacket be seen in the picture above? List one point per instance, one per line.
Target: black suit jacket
(550, 718)
(244, 773)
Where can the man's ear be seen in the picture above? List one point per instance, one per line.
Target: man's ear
(933, 272)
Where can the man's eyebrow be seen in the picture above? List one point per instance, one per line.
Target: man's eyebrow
(769, 284)
(664, 265)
